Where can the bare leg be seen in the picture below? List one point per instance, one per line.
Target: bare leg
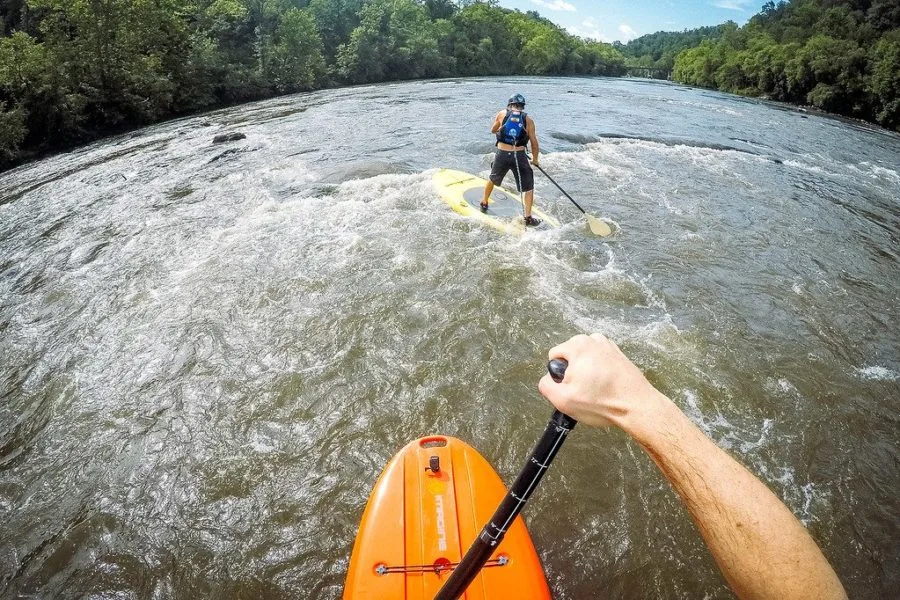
(488, 188)
(529, 200)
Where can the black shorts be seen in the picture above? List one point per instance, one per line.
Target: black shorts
(505, 161)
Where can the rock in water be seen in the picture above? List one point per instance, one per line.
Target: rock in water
(228, 137)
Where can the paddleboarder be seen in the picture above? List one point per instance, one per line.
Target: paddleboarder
(514, 130)
(761, 548)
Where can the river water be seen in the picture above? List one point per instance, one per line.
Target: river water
(209, 351)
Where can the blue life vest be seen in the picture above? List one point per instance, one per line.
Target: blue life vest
(513, 131)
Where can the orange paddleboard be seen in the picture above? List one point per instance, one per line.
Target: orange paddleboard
(431, 501)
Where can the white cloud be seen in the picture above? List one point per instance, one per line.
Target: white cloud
(589, 29)
(590, 34)
(731, 4)
(555, 5)
(627, 32)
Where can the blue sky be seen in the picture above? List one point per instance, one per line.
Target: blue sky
(623, 20)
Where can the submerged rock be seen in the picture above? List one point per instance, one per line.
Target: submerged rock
(228, 137)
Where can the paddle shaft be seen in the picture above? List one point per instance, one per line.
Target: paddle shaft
(565, 193)
(490, 537)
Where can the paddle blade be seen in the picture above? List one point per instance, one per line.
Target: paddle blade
(598, 227)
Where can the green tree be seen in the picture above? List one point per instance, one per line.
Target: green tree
(730, 75)
(604, 59)
(884, 79)
(657, 45)
(698, 66)
(827, 73)
(764, 66)
(118, 56)
(36, 107)
(482, 42)
(838, 22)
(543, 54)
(823, 52)
(541, 44)
(884, 15)
(12, 132)
(394, 40)
(335, 21)
(295, 61)
(440, 9)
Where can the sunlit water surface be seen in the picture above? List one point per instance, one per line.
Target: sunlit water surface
(208, 352)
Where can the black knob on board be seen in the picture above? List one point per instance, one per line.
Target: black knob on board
(557, 368)
(434, 464)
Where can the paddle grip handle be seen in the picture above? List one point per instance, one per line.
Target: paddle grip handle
(557, 369)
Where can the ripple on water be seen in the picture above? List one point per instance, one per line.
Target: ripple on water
(206, 363)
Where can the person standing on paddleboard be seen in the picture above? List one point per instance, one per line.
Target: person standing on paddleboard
(514, 130)
(761, 548)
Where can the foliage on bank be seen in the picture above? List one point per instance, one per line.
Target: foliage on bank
(73, 70)
(659, 50)
(842, 56)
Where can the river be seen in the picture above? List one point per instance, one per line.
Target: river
(209, 351)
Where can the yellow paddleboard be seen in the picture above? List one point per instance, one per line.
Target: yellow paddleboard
(463, 192)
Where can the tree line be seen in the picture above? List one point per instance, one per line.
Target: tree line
(841, 56)
(658, 50)
(74, 70)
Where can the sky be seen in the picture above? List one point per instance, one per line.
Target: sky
(624, 20)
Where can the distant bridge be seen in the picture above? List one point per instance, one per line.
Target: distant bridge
(650, 72)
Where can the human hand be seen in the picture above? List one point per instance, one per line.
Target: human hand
(534, 161)
(601, 387)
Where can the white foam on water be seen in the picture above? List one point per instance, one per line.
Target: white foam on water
(876, 373)
(200, 274)
(262, 444)
(746, 439)
(715, 158)
(559, 278)
(875, 172)
(848, 174)
(807, 167)
(787, 387)
(598, 159)
(692, 410)
(706, 107)
(663, 195)
(765, 430)
(802, 498)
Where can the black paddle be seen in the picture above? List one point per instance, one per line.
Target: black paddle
(597, 226)
(490, 537)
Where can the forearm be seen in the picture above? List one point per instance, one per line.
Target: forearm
(498, 122)
(761, 548)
